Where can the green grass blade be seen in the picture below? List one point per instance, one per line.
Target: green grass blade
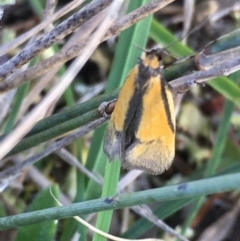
(125, 58)
(221, 137)
(109, 189)
(21, 93)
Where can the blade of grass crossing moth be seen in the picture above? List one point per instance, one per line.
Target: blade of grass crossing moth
(223, 85)
(119, 73)
(125, 58)
(213, 162)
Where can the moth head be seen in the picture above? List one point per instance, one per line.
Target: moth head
(153, 58)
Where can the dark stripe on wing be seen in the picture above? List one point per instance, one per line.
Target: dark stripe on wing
(164, 85)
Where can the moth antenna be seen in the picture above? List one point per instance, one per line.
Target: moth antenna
(193, 30)
(137, 46)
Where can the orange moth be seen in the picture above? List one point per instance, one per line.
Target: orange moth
(141, 131)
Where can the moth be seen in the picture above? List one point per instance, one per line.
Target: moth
(141, 130)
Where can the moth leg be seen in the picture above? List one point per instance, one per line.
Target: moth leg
(106, 108)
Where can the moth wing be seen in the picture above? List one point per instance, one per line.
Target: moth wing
(122, 116)
(154, 145)
(149, 157)
(113, 142)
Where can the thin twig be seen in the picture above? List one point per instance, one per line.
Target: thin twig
(147, 213)
(42, 182)
(73, 161)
